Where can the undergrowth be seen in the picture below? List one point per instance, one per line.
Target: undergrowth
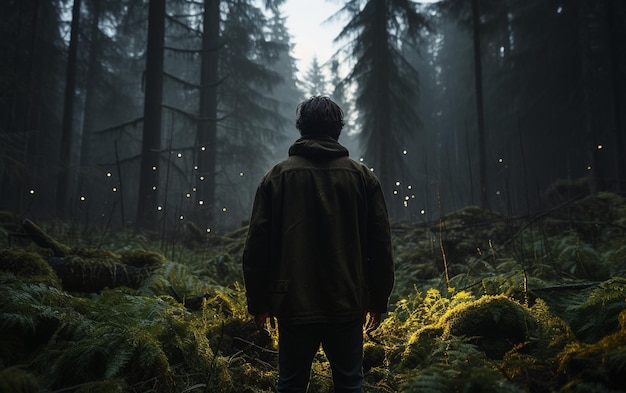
(522, 305)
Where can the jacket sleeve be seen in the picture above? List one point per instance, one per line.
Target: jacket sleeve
(380, 270)
(256, 254)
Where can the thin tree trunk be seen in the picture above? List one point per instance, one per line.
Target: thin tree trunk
(612, 14)
(90, 94)
(63, 179)
(480, 116)
(151, 142)
(207, 124)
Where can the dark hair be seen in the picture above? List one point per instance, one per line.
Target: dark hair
(319, 115)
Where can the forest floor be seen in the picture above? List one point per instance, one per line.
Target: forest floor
(482, 303)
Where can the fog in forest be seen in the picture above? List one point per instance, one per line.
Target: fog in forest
(160, 115)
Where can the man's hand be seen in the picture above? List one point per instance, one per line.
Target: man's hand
(372, 321)
(260, 321)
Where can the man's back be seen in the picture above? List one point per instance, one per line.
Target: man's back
(322, 205)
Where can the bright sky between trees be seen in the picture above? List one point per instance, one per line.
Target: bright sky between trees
(311, 33)
(312, 36)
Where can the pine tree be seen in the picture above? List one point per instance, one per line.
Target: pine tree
(314, 82)
(387, 90)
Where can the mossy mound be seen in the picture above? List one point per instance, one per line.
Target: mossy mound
(18, 380)
(28, 266)
(495, 324)
(373, 356)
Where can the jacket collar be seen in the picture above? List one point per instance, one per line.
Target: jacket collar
(317, 146)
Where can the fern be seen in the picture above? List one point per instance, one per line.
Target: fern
(598, 315)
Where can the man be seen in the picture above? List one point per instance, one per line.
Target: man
(318, 254)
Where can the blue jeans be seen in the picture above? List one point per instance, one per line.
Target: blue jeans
(298, 343)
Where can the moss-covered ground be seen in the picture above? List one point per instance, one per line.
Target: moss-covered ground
(482, 303)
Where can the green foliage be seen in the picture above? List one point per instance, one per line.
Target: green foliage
(455, 365)
(530, 315)
(18, 380)
(598, 315)
(597, 364)
(27, 266)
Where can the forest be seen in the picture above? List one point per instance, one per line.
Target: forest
(133, 134)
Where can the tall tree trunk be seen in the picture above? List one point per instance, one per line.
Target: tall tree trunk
(585, 20)
(207, 124)
(90, 94)
(613, 14)
(65, 161)
(480, 115)
(151, 141)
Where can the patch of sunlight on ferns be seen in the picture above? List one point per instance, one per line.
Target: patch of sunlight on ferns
(411, 315)
(553, 333)
(420, 309)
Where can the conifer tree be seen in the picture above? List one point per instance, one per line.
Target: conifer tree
(386, 84)
(314, 82)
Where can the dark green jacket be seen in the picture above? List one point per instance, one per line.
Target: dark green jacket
(319, 243)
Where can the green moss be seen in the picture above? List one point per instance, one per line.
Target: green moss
(28, 266)
(420, 346)
(495, 323)
(18, 380)
(373, 355)
(142, 258)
